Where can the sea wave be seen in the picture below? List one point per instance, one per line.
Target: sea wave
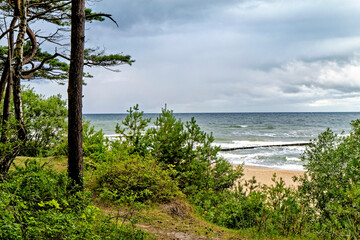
(255, 143)
(239, 126)
(111, 136)
(279, 157)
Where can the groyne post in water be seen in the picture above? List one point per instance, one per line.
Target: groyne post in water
(264, 146)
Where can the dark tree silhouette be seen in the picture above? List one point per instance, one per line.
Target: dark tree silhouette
(23, 58)
(75, 158)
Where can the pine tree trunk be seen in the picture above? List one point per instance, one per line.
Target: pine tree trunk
(7, 157)
(75, 158)
(6, 111)
(7, 68)
(4, 78)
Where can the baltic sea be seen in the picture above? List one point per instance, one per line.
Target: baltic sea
(253, 129)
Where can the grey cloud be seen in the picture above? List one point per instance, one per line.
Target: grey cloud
(211, 55)
(270, 32)
(149, 12)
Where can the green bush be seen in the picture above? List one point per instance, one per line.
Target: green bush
(181, 146)
(133, 136)
(10, 146)
(189, 150)
(136, 179)
(331, 183)
(45, 120)
(45, 124)
(326, 205)
(273, 210)
(231, 209)
(37, 203)
(286, 212)
(95, 145)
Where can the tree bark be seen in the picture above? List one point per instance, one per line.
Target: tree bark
(18, 57)
(75, 158)
(6, 110)
(4, 79)
(34, 45)
(7, 67)
(8, 157)
(7, 160)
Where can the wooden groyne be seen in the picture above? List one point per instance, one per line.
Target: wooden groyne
(264, 146)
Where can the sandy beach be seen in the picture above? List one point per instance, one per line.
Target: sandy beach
(264, 175)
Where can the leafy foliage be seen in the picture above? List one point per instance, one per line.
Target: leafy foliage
(35, 204)
(332, 183)
(95, 145)
(45, 121)
(133, 136)
(93, 57)
(9, 145)
(325, 205)
(136, 179)
(273, 209)
(181, 146)
(155, 163)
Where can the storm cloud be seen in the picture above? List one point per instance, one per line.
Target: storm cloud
(219, 56)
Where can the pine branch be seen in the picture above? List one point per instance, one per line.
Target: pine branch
(29, 73)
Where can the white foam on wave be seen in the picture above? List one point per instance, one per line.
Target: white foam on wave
(245, 156)
(294, 167)
(112, 136)
(344, 135)
(246, 143)
(269, 135)
(295, 159)
(287, 158)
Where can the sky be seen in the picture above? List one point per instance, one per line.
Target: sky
(225, 56)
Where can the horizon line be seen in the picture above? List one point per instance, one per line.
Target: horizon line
(227, 112)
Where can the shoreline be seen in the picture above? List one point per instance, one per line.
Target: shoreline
(263, 175)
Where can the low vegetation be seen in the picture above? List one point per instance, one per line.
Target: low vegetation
(167, 180)
(35, 204)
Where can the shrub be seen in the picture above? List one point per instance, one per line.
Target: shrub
(35, 203)
(10, 146)
(44, 120)
(285, 212)
(231, 209)
(136, 179)
(95, 145)
(189, 150)
(271, 210)
(181, 146)
(331, 183)
(133, 136)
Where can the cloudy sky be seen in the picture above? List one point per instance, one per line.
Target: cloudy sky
(226, 56)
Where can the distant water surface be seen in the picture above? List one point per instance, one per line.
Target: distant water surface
(253, 129)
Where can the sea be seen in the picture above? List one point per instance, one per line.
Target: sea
(232, 130)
